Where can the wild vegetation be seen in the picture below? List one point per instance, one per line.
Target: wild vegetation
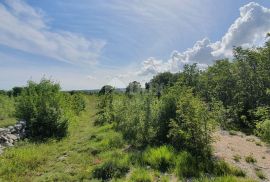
(182, 110)
(163, 132)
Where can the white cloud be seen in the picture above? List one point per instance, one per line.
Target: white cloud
(24, 28)
(248, 30)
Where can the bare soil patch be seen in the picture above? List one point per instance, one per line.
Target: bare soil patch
(246, 152)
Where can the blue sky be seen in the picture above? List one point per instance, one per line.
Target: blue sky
(84, 44)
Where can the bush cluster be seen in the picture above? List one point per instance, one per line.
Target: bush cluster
(182, 110)
(46, 109)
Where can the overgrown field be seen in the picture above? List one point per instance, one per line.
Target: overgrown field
(90, 152)
(163, 132)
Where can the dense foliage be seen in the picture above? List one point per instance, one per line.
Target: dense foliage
(182, 110)
(46, 109)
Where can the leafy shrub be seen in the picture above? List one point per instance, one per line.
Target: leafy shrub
(192, 127)
(263, 130)
(113, 168)
(186, 166)
(42, 105)
(135, 118)
(161, 158)
(140, 175)
(106, 110)
(78, 103)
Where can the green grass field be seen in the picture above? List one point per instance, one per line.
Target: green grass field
(7, 122)
(67, 160)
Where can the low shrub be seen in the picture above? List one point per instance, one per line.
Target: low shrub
(161, 158)
(78, 103)
(263, 130)
(140, 175)
(112, 168)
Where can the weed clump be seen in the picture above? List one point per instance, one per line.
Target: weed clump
(161, 158)
(221, 168)
(250, 159)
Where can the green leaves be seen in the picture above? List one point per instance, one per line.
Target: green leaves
(44, 108)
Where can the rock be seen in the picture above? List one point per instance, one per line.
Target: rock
(11, 127)
(9, 135)
(12, 137)
(3, 130)
(13, 130)
(18, 127)
(3, 139)
(23, 123)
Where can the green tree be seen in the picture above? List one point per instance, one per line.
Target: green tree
(192, 127)
(42, 105)
(106, 89)
(133, 88)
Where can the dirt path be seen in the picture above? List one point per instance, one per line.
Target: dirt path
(235, 147)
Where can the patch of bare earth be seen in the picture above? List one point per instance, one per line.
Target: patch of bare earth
(236, 147)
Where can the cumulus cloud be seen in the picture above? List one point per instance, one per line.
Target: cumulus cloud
(248, 30)
(25, 28)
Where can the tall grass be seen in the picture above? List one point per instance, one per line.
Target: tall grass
(7, 110)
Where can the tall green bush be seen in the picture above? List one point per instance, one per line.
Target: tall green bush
(44, 108)
(263, 130)
(136, 118)
(192, 127)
